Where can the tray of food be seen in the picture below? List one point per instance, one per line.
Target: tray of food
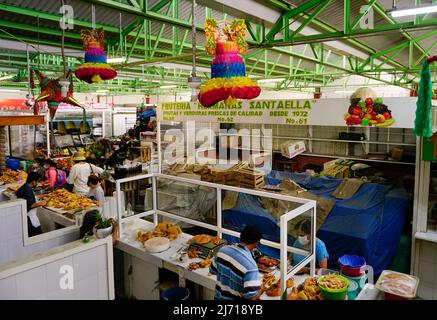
(396, 285)
(162, 229)
(267, 264)
(308, 290)
(67, 201)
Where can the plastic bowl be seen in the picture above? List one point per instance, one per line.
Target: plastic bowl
(352, 265)
(352, 272)
(334, 294)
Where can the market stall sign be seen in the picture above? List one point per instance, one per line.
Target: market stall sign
(323, 112)
(13, 104)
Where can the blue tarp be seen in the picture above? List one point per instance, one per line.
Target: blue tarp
(147, 113)
(369, 224)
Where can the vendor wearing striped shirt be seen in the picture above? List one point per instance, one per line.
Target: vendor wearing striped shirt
(237, 272)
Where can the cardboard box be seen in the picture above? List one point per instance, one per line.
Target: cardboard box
(292, 148)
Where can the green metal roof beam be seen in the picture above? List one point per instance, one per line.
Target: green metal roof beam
(158, 17)
(50, 31)
(382, 12)
(150, 15)
(427, 53)
(159, 5)
(126, 31)
(140, 30)
(357, 20)
(311, 18)
(135, 3)
(282, 22)
(346, 16)
(252, 32)
(401, 46)
(184, 37)
(51, 17)
(326, 27)
(426, 24)
(32, 40)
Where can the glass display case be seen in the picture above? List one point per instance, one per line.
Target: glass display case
(98, 122)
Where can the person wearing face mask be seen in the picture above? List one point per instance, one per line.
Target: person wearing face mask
(26, 192)
(237, 272)
(303, 229)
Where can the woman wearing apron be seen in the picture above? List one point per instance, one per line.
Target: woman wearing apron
(26, 193)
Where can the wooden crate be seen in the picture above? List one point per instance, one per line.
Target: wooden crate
(336, 171)
(250, 178)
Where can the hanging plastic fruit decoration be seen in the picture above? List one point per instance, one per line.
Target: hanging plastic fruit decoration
(228, 76)
(367, 109)
(422, 122)
(95, 68)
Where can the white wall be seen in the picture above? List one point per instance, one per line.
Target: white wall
(12, 245)
(39, 277)
(427, 270)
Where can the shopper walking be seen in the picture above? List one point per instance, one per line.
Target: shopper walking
(237, 272)
(80, 172)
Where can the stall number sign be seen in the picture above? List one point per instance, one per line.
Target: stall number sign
(326, 112)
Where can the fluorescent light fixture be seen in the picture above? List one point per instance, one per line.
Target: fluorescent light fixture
(6, 77)
(169, 86)
(271, 80)
(403, 12)
(9, 90)
(102, 91)
(116, 60)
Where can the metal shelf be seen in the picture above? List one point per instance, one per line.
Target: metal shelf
(355, 158)
(326, 140)
(351, 141)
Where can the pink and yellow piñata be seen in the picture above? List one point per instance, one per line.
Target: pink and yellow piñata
(228, 75)
(95, 68)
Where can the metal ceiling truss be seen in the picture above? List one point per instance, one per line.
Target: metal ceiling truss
(270, 47)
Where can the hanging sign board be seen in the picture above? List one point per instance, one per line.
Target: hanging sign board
(321, 112)
(13, 104)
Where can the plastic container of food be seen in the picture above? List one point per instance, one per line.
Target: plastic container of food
(352, 265)
(330, 293)
(397, 285)
(157, 244)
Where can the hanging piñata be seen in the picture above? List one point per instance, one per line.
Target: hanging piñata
(51, 92)
(226, 40)
(95, 68)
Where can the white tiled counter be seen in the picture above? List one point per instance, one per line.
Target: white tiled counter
(74, 271)
(14, 241)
